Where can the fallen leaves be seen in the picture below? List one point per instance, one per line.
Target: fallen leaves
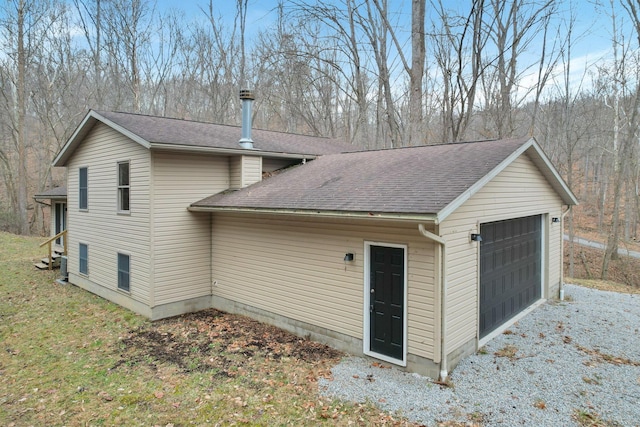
(105, 396)
(603, 357)
(380, 365)
(509, 351)
(540, 404)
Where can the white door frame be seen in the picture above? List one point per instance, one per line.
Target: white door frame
(367, 301)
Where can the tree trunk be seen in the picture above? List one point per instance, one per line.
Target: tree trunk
(21, 112)
(418, 53)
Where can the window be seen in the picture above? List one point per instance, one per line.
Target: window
(123, 187)
(84, 259)
(124, 276)
(83, 193)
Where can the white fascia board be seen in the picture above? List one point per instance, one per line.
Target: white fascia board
(146, 144)
(77, 135)
(466, 195)
(317, 213)
(81, 131)
(229, 151)
(540, 160)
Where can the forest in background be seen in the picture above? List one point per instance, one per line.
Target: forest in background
(351, 69)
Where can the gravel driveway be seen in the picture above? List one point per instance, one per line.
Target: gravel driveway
(577, 359)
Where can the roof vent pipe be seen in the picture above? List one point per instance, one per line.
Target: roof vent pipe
(247, 103)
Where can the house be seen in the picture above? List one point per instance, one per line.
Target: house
(414, 256)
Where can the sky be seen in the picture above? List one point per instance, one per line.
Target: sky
(592, 30)
(592, 27)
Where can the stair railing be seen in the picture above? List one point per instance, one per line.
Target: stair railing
(62, 234)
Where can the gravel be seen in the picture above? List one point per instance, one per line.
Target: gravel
(575, 359)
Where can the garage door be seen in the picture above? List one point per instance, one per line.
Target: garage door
(510, 269)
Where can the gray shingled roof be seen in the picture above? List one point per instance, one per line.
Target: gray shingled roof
(165, 130)
(53, 193)
(416, 180)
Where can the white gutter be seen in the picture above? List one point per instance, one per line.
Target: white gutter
(228, 151)
(315, 213)
(562, 252)
(443, 294)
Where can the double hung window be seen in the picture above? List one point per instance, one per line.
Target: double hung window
(123, 187)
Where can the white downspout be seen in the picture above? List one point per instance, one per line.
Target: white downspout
(443, 294)
(562, 253)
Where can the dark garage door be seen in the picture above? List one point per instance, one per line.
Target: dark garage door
(510, 269)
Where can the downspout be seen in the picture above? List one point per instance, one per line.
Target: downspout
(211, 281)
(562, 253)
(443, 294)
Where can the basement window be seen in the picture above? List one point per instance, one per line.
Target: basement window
(123, 187)
(83, 259)
(124, 275)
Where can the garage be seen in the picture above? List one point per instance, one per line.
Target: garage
(510, 269)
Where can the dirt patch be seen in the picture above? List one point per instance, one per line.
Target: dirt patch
(211, 340)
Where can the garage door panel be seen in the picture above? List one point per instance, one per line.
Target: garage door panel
(510, 276)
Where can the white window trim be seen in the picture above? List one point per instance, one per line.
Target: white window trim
(86, 274)
(125, 291)
(366, 339)
(86, 208)
(119, 187)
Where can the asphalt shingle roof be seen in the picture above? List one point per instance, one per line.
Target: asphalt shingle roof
(165, 130)
(53, 193)
(416, 180)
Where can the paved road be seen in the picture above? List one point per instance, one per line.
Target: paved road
(598, 245)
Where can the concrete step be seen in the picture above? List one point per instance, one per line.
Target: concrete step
(56, 260)
(42, 266)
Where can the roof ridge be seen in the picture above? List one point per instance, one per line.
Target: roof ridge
(440, 144)
(102, 112)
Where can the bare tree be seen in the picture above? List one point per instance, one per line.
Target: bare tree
(625, 104)
(512, 26)
(459, 43)
(23, 26)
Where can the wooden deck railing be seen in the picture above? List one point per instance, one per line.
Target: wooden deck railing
(62, 234)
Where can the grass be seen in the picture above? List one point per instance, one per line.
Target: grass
(589, 418)
(69, 357)
(604, 285)
(509, 351)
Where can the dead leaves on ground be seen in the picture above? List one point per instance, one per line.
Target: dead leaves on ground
(214, 341)
(603, 357)
(509, 351)
(269, 372)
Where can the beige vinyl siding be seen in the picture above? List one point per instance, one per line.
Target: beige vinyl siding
(244, 171)
(294, 267)
(101, 227)
(251, 170)
(235, 172)
(181, 239)
(519, 190)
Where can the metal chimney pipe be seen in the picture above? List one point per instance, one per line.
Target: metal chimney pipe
(247, 103)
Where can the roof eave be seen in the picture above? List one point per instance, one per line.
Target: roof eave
(156, 146)
(544, 164)
(38, 197)
(539, 159)
(83, 129)
(411, 217)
